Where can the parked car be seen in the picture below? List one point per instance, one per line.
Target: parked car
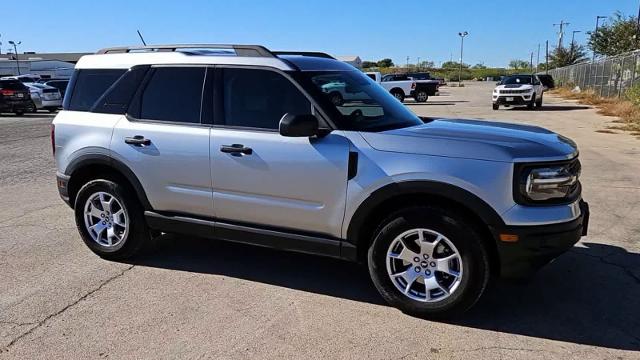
(400, 86)
(251, 149)
(60, 84)
(519, 90)
(14, 97)
(425, 80)
(44, 97)
(26, 78)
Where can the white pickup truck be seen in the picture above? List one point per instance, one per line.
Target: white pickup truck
(397, 87)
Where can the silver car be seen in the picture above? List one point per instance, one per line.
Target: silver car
(250, 148)
(45, 97)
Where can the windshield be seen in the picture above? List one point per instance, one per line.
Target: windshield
(358, 103)
(517, 80)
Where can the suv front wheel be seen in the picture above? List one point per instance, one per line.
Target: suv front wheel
(428, 262)
(110, 219)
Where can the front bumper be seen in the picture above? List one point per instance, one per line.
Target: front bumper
(538, 245)
(515, 100)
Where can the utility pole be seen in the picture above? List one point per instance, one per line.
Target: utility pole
(531, 62)
(538, 59)
(595, 32)
(561, 33)
(15, 50)
(418, 65)
(407, 63)
(462, 35)
(547, 59)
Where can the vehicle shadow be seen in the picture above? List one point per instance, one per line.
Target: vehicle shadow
(552, 108)
(589, 296)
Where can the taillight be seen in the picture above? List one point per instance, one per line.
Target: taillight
(53, 139)
(413, 86)
(7, 92)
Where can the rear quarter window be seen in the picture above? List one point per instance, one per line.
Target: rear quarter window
(89, 85)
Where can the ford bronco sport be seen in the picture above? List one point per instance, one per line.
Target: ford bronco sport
(240, 143)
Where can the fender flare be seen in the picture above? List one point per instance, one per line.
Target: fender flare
(101, 159)
(423, 187)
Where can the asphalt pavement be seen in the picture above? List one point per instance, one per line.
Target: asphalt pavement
(192, 298)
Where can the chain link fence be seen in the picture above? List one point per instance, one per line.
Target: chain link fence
(608, 77)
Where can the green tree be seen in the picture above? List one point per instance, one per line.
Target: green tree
(562, 56)
(369, 64)
(617, 37)
(453, 65)
(426, 64)
(385, 63)
(479, 66)
(519, 64)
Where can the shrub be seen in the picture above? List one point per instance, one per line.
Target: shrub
(633, 94)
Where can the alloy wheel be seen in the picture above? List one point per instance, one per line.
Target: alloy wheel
(106, 220)
(424, 265)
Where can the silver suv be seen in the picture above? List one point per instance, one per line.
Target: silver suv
(240, 143)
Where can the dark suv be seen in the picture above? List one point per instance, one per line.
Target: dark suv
(14, 97)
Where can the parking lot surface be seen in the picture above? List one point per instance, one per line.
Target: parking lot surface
(193, 298)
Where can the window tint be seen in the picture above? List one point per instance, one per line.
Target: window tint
(173, 94)
(12, 85)
(90, 85)
(260, 98)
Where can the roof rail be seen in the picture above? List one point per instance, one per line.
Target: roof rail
(240, 50)
(304, 53)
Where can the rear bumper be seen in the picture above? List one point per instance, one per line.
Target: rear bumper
(538, 245)
(62, 182)
(15, 105)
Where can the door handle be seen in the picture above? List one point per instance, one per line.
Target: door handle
(236, 149)
(137, 140)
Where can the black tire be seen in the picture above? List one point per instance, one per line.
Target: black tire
(539, 102)
(336, 98)
(496, 106)
(398, 94)
(33, 108)
(19, 113)
(421, 96)
(532, 104)
(138, 233)
(52, 110)
(473, 255)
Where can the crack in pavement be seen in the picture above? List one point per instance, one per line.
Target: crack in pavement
(67, 307)
(605, 261)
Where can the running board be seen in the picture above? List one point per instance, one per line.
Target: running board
(280, 239)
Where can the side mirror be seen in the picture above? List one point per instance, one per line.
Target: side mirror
(498, 83)
(298, 125)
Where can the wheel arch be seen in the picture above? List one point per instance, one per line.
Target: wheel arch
(395, 196)
(94, 166)
(398, 89)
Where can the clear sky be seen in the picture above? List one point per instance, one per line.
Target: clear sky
(499, 30)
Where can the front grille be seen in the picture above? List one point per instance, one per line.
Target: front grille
(514, 91)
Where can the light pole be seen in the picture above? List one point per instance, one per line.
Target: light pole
(573, 43)
(407, 63)
(462, 35)
(595, 32)
(15, 50)
(418, 64)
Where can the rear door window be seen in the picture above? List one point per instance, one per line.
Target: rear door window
(90, 85)
(173, 94)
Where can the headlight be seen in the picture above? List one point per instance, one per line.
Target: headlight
(551, 184)
(495, 91)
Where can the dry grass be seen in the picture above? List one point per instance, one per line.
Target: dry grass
(626, 111)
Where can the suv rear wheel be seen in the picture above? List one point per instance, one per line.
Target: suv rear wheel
(428, 262)
(110, 219)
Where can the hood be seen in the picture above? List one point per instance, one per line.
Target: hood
(475, 139)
